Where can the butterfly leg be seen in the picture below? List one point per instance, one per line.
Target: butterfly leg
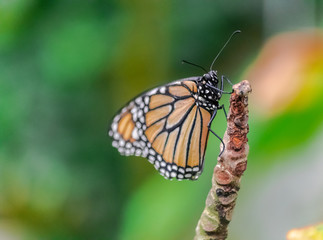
(221, 86)
(224, 111)
(209, 127)
(219, 139)
(221, 91)
(227, 79)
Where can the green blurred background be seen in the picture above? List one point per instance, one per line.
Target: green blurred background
(66, 67)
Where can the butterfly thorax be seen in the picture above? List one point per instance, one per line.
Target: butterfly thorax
(208, 92)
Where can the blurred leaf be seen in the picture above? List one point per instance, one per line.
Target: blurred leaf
(307, 233)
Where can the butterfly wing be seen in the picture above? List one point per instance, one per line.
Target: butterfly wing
(166, 126)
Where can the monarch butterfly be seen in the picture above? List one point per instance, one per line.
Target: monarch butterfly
(169, 125)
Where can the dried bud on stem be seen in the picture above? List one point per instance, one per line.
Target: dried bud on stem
(227, 174)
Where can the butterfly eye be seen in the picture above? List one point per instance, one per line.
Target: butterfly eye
(207, 77)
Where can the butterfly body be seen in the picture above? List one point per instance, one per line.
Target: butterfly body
(169, 125)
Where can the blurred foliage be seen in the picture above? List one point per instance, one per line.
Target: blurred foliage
(68, 66)
(307, 233)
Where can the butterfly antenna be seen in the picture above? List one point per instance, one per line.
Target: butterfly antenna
(184, 61)
(235, 32)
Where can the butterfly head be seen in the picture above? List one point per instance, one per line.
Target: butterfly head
(210, 78)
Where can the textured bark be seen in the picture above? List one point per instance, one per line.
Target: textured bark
(227, 173)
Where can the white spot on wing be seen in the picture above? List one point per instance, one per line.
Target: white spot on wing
(138, 100)
(152, 152)
(140, 132)
(147, 100)
(152, 92)
(188, 175)
(157, 165)
(143, 144)
(195, 169)
(135, 134)
(116, 136)
(145, 152)
(162, 90)
(132, 151)
(114, 127)
(134, 116)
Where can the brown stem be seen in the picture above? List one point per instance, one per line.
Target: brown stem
(227, 173)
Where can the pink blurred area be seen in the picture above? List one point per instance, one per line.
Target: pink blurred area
(287, 72)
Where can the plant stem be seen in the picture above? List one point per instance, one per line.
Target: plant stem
(227, 173)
